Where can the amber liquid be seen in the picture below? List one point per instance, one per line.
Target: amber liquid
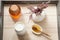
(36, 28)
(15, 12)
(15, 17)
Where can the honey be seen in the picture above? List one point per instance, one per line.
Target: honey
(36, 28)
(15, 12)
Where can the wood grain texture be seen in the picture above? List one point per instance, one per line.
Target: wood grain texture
(49, 25)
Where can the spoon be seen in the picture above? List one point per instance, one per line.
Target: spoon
(37, 30)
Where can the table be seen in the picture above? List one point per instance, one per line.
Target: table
(49, 25)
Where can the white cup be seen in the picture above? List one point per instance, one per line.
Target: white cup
(20, 28)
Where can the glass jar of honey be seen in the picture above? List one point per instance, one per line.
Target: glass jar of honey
(15, 12)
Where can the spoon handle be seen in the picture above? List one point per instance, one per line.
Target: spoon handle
(45, 33)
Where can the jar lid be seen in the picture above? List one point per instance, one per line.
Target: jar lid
(14, 7)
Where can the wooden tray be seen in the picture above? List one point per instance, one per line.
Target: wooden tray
(49, 25)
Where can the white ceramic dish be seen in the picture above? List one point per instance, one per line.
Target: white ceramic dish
(38, 18)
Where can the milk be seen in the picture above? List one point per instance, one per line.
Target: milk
(20, 28)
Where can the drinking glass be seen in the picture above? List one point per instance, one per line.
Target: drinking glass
(15, 12)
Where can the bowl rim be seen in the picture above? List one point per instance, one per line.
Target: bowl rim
(19, 23)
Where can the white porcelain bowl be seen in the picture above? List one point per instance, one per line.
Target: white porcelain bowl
(38, 18)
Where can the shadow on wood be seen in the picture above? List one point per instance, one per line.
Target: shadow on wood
(24, 37)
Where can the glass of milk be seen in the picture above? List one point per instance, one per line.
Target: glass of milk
(20, 28)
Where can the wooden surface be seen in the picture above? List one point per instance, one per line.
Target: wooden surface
(49, 25)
